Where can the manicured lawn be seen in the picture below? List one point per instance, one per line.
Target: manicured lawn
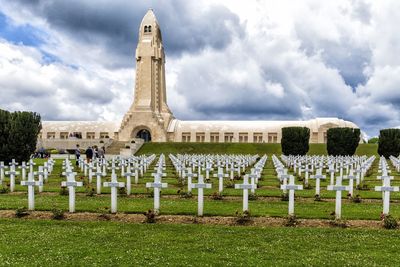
(62, 243)
(238, 148)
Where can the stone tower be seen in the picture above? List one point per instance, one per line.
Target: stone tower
(149, 115)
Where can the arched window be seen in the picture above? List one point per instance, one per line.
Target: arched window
(145, 28)
(149, 29)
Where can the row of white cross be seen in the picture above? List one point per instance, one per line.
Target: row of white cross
(26, 168)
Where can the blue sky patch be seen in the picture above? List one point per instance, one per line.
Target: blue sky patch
(23, 34)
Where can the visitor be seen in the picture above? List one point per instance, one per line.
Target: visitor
(77, 154)
(100, 153)
(89, 154)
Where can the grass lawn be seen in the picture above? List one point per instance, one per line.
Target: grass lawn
(62, 243)
(238, 148)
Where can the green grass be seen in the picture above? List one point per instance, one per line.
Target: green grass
(238, 148)
(61, 243)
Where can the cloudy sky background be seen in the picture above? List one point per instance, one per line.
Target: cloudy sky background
(238, 60)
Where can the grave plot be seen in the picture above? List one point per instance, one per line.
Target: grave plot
(310, 187)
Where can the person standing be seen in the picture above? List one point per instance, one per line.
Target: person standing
(89, 154)
(77, 154)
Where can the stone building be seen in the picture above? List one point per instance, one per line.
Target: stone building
(150, 118)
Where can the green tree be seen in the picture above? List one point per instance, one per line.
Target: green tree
(389, 142)
(295, 140)
(18, 135)
(342, 141)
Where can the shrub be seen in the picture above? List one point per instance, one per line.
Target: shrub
(373, 140)
(243, 218)
(150, 216)
(58, 214)
(291, 221)
(389, 143)
(295, 140)
(342, 141)
(389, 222)
(217, 196)
(21, 212)
(4, 189)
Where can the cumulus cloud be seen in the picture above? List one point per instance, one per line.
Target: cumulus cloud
(225, 59)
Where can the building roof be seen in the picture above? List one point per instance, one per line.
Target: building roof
(254, 126)
(80, 126)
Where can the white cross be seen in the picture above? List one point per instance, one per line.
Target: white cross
(284, 178)
(200, 196)
(338, 188)
(318, 178)
(220, 176)
(71, 184)
(114, 184)
(245, 187)
(291, 187)
(190, 175)
(128, 174)
(351, 179)
(40, 174)
(12, 173)
(253, 176)
(157, 185)
(2, 167)
(98, 175)
(23, 168)
(386, 189)
(31, 183)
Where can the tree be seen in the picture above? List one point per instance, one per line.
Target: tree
(389, 142)
(4, 133)
(295, 140)
(19, 132)
(342, 141)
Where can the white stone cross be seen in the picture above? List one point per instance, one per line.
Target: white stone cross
(157, 185)
(31, 183)
(136, 168)
(338, 188)
(31, 164)
(318, 178)
(245, 187)
(291, 187)
(2, 167)
(284, 178)
(99, 173)
(90, 168)
(332, 171)
(12, 173)
(190, 175)
(351, 179)
(253, 177)
(220, 176)
(200, 194)
(114, 184)
(386, 189)
(71, 183)
(23, 168)
(128, 174)
(307, 171)
(40, 174)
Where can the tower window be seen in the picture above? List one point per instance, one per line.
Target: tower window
(147, 28)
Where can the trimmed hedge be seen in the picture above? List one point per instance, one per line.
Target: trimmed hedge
(295, 140)
(18, 135)
(389, 142)
(342, 141)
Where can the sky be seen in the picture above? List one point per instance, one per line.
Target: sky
(225, 59)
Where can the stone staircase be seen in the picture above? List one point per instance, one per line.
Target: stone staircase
(115, 147)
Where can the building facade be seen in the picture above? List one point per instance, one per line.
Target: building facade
(150, 118)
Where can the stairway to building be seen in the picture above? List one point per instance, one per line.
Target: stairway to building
(115, 147)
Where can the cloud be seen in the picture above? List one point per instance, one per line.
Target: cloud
(225, 59)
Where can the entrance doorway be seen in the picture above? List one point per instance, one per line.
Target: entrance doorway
(144, 134)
